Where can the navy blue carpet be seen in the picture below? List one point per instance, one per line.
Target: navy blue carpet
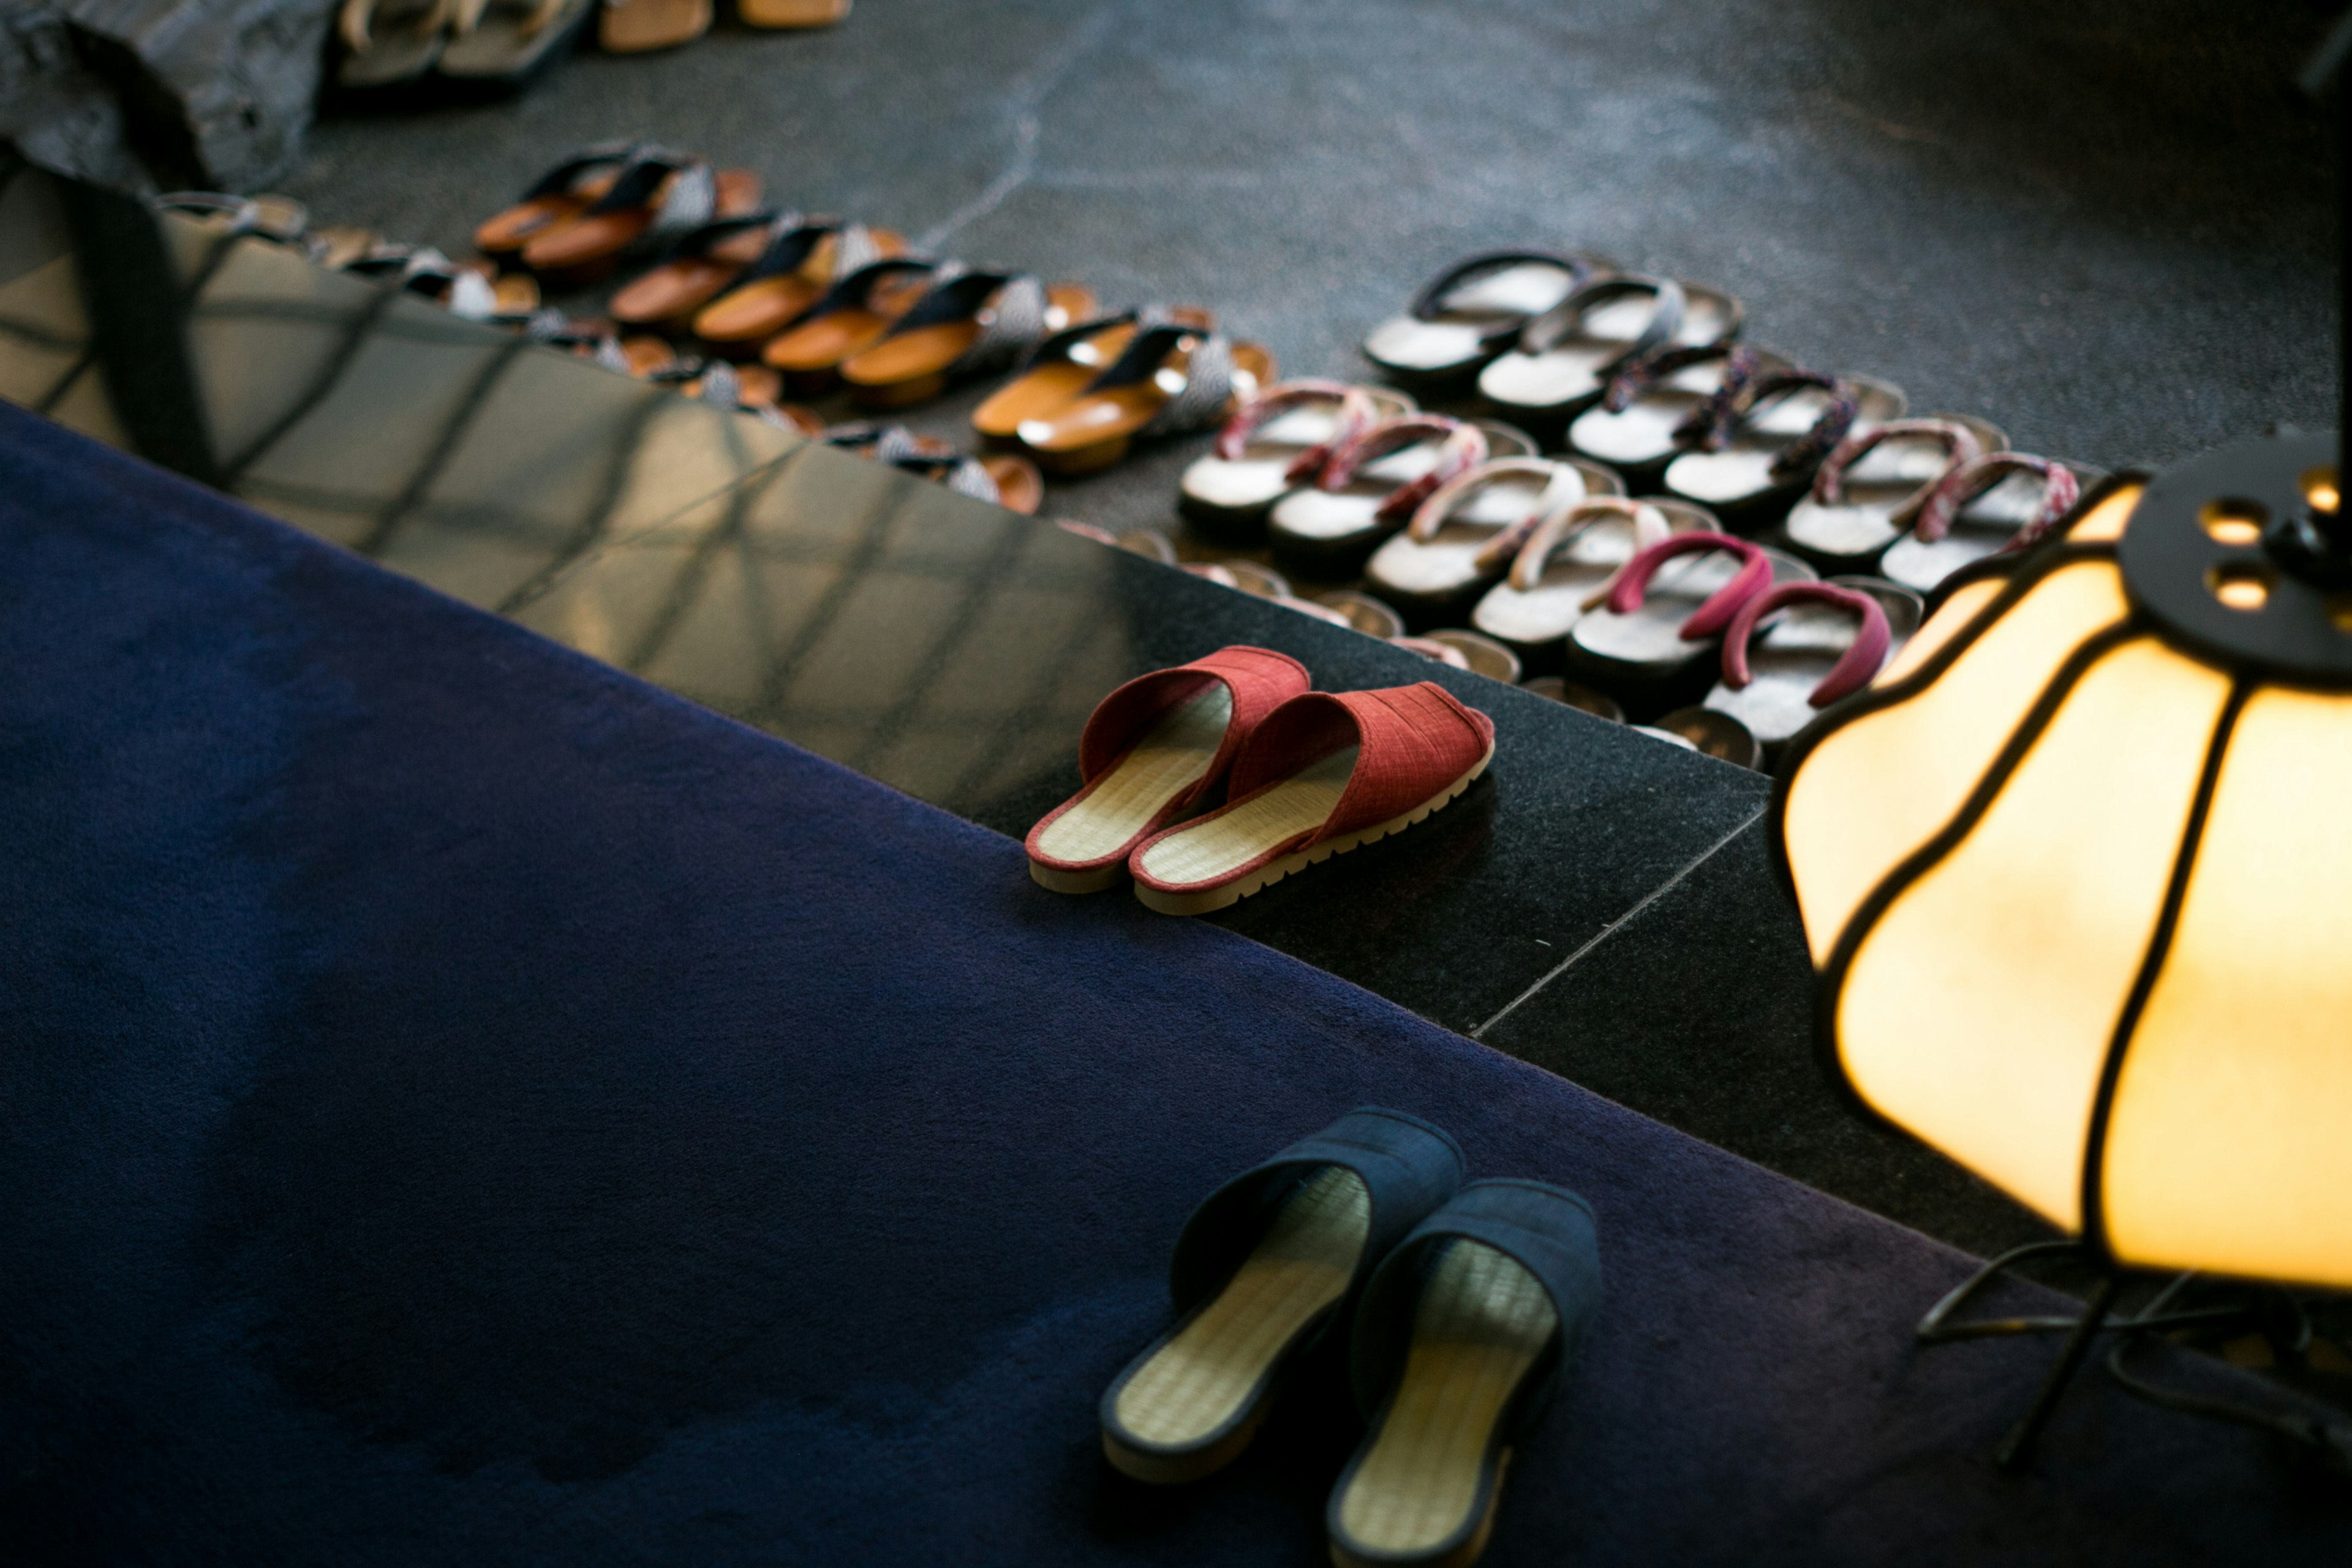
(461, 1105)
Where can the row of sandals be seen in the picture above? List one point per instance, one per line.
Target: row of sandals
(1716, 516)
(1697, 467)
(504, 44)
(808, 306)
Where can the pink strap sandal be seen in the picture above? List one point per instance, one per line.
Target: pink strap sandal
(1568, 562)
(1464, 532)
(1651, 642)
(1873, 487)
(1830, 641)
(1323, 774)
(1152, 749)
(1983, 509)
(1278, 440)
(1371, 485)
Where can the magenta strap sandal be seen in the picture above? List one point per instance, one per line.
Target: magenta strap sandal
(1856, 669)
(1711, 617)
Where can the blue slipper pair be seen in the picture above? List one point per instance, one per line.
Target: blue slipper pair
(1465, 1309)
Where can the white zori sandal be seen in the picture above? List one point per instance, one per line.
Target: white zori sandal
(1570, 562)
(1278, 440)
(1463, 536)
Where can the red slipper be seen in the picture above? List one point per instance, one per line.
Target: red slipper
(1325, 772)
(1153, 747)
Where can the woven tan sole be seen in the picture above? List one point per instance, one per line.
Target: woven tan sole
(1483, 1322)
(1462, 1556)
(1204, 1376)
(1227, 894)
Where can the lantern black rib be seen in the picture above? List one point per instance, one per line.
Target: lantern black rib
(2024, 577)
(1924, 859)
(2159, 947)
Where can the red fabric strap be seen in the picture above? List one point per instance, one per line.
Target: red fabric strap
(1357, 415)
(1856, 669)
(1412, 741)
(1963, 484)
(1261, 680)
(1464, 449)
(1960, 447)
(1755, 576)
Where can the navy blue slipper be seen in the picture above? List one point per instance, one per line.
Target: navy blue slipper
(1465, 1335)
(1263, 1270)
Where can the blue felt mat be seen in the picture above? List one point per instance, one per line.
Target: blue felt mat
(459, 1104)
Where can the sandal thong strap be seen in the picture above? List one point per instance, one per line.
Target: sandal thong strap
(1545, 332)
(1548, 1231)
(965, 476)
(1964, 483)
(1464, 449)
(1711, 617)
(1563, 487)
(1634, 377)
(1009, 306)
(595, 155)
(854, 290)
(356, 21)
(1961, 446)
(1054, 347)
(1432, 299)
(1855, 668)
(1408, 1167)
(688, 187)
(703, 238)
(1554, 531)
(1357, 413)
(1711, 425)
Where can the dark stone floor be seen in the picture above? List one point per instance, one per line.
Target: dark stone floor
(2104, 225)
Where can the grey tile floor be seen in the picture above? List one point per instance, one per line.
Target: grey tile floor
(2104, 225)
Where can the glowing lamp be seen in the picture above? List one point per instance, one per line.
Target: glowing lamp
(2078, 881)
(2077, 878)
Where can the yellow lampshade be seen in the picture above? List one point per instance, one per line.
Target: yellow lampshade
(2078, 885)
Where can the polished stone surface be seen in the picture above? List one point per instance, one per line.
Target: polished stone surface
(946, 648)
(1697, 1007)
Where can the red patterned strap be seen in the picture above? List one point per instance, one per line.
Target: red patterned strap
(1357, 415)
(1412, 741)
(1563, 485)
(1961, 444)
(1261, 680)
(1962, 484)
(1465, 447)
(1558, 527)
(1755, 576)
(1855, 668)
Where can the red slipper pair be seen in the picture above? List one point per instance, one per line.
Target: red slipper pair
(1308, 774)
